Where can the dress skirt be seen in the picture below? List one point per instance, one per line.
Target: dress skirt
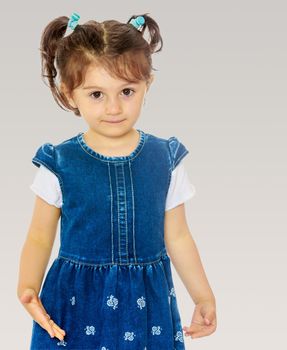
(110, 306)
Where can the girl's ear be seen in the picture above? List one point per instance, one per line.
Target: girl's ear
(64, 91)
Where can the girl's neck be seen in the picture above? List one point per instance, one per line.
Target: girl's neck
(112, 146)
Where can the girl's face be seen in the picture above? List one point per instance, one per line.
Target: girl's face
(109, 106)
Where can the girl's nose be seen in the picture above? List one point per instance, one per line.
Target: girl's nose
(113, 106)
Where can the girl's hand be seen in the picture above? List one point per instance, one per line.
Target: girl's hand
(203, 321)
(34, 306)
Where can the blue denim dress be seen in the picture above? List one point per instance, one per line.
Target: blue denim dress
(111, 286)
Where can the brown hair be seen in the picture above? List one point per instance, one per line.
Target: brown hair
(119, 47)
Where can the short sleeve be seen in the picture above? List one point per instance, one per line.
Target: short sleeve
(176, 150)
(46, 185)
(180, 188)
(45, 155)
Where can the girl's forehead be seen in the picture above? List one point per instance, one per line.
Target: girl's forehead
(101, 74)
(95, 69)
(99, 77)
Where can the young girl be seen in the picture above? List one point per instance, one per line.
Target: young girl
(120, 194)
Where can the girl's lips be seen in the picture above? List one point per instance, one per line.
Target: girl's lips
(114, 121)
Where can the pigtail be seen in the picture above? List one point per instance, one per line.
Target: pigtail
(155, 36)
(51, 36)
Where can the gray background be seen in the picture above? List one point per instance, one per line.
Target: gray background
(221, 89)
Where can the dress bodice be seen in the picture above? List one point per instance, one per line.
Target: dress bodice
(113, 207)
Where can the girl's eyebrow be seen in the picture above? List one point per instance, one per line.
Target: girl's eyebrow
(98, 87)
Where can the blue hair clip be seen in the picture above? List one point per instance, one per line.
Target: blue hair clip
(138, 22)
(73, 21)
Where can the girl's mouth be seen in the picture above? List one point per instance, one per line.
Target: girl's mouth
(114, 121)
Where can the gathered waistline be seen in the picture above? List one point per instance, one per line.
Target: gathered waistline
(80, 262)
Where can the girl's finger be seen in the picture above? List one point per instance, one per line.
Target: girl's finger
(55, 325)
(50, 326)
(45, 324)
(40, 315)
(194, 327)
(202, 333)
(58, 334)
(51, 329)
(49, 318)
(58, 328)
(206, 330)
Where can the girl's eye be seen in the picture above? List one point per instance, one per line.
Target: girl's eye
(128, 89)
(95, 94)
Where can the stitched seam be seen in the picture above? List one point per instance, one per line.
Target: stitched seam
(132, 188)
(180, 157)
(112, 228)
(117, 160)
(124, 181)
(119, 228)
(106, 264)
(176, 150)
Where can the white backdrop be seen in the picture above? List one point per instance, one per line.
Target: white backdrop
(221, 89)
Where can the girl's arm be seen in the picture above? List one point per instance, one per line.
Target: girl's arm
(33, 263)
(186, 260)
(38, 245)
(184, 255)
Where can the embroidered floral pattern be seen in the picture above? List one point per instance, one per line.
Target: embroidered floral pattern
(62, 343)
(156, 330)
(179, 336)
(172, 292)
(129, 336)
(141, 302)
(90, 330)
(112, 302)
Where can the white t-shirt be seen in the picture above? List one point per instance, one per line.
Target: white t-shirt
(46, 185)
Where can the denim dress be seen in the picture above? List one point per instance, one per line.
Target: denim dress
(110, 286)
